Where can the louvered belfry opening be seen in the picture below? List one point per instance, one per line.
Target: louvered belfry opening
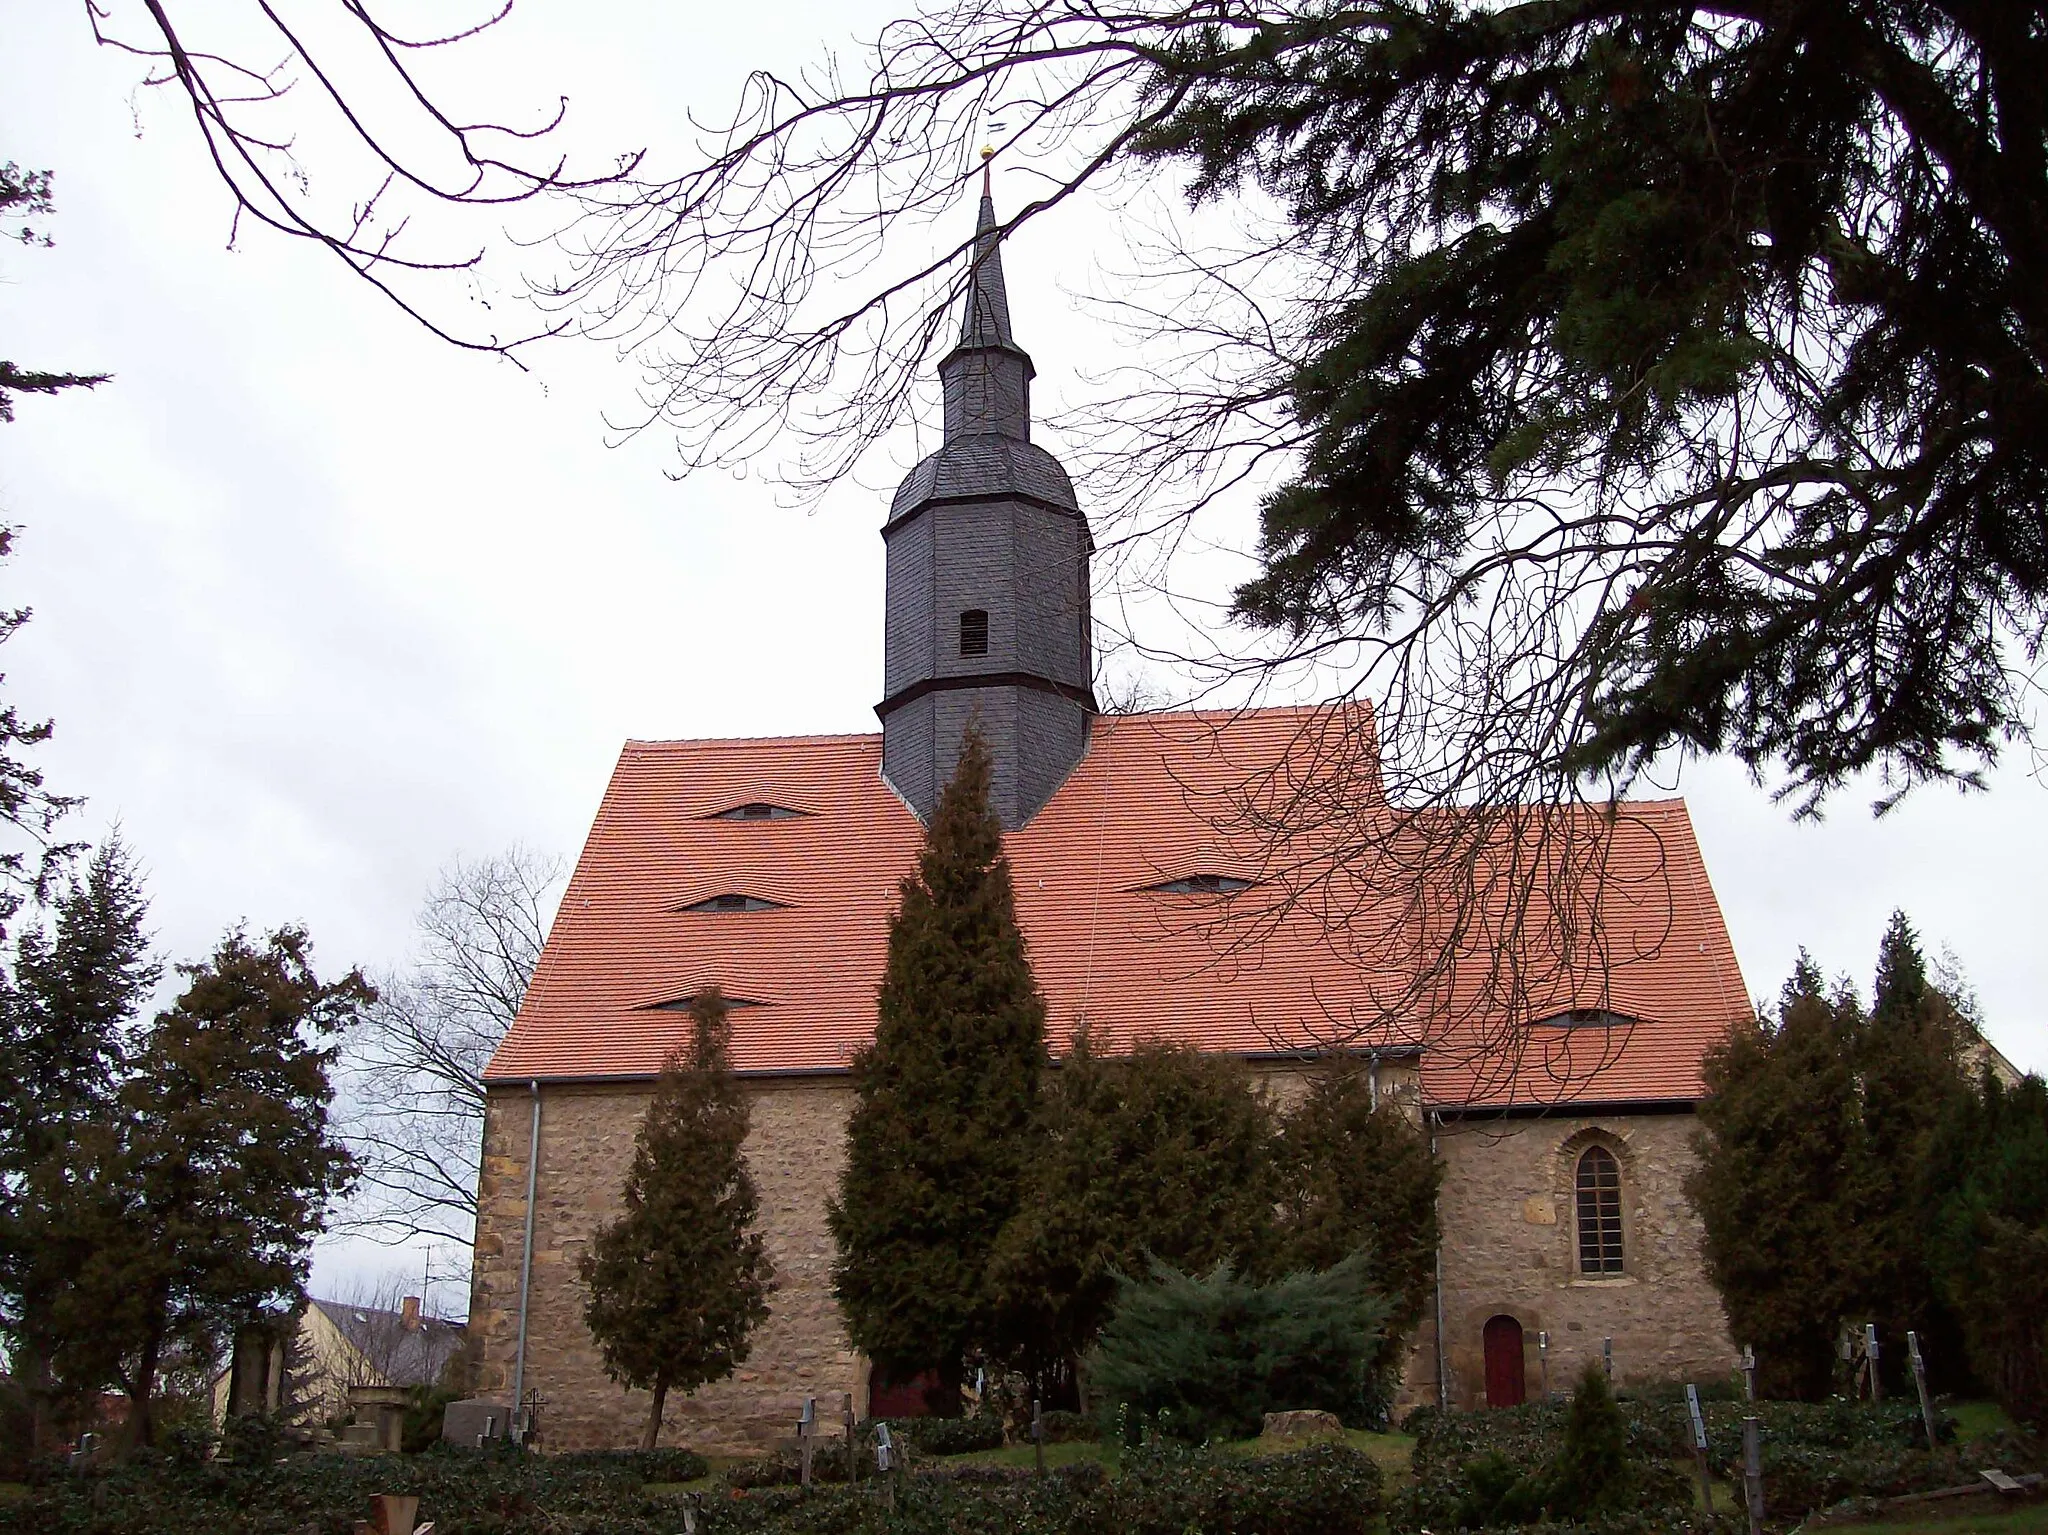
(1599, 1212)
(987, 620)
(974, 632)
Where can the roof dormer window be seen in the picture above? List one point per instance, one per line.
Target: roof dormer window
(684, 1004)
(974, 632)
(756, 810)
(1587, 1018)
(733, 901)
(1201, 884)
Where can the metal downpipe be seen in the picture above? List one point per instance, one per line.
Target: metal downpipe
(1443, 1386)
(526, 1257)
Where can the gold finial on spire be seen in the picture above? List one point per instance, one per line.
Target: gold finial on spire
(988, 153)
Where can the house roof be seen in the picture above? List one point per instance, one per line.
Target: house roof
(405, 1355)
(1318, 946)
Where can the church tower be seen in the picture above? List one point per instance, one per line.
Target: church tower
(987, 614)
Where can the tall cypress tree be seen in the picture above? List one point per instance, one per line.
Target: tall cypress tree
(945, 1100)
(63, 1044)
(1907, 1056)
(1780, 1125)
(681, 1279)
(1988, 1248)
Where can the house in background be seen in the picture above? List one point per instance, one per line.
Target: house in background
(340, 1344)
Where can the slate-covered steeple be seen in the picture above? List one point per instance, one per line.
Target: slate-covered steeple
(987, 612)
(987, 377)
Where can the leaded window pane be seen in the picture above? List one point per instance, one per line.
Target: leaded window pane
(1599, 1212)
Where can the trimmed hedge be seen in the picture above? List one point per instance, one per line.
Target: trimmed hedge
(944, 1436)
(666, 1464)
(465, 1492)
(1324, 1490)
(1328, 1489)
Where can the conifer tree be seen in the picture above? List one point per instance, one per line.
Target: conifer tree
(681, 1279)
(1908, 1064)
(1780, 1125)
(1162, 1153)
(945, 1101)
(1988, 1246)
(197, 1201)
(1356, 1175)
(63, 1046)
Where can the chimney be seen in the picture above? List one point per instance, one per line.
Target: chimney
(409, 1313)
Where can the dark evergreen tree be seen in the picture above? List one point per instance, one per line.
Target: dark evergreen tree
(1357, 1175)
(1988, 1245)
(1582, 251)
(680, 1280)
(945, 1101)
(1907, 1058)
(1705, 348)
(1164, 1153)
(195, 1203)
(1781, 1125)
(63, 1049)
(1591, 1475)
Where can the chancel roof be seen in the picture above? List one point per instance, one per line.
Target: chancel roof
(1275, 937)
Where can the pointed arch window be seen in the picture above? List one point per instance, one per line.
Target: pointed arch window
(974, 632)
(1599, 1191)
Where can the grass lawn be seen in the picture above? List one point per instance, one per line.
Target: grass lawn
(1976, 1419)
(12, 1492)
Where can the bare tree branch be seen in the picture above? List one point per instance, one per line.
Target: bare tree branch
(391, 148)
(411, 1076)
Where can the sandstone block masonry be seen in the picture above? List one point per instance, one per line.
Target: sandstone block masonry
(794, 1147)
(1508, 1213)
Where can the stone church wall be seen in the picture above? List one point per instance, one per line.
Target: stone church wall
(586, 1145)
(1508, 1217)
(1508, 1211)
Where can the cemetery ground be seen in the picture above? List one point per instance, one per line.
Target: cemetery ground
(1836, 1466)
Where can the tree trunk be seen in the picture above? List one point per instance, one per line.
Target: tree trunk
(141, 1392)
(654, 1413)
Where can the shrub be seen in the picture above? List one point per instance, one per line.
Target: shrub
(423, 1417)
(256, 1439)
(1591, 1464)
(1164, 1489)
(1488, 1469)
(1062, 1427)
(1207, 1358)
(665, 1464)
(950, 1436)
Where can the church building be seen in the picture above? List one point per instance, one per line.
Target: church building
(1179, 875)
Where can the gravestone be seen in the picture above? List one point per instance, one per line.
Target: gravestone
(475, 1422)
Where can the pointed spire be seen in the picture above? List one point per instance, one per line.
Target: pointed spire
(987, 376)
(986, 321)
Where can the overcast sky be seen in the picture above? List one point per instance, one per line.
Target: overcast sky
(321, 603)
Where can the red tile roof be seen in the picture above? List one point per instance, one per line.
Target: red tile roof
(1314, 950)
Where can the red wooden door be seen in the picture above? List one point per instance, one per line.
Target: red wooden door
(1504, 1386)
